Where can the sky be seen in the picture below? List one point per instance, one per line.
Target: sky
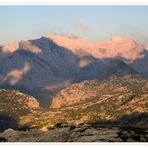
(89, 22)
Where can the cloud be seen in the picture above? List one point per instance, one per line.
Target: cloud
(58, 85)
(55, 30)
(146, 47)
(61, 32)
(27, 45)
(142, 38)
(126, 27)
(69, 35)
(81, 25)
(132, 31)
(16, 75)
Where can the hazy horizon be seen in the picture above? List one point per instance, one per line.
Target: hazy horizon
(89, 22)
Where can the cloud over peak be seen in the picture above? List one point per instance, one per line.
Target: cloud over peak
(81, 25)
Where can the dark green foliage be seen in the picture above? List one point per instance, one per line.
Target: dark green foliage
(124, 138)
(24, 128)
(136, 137)
(7, 121)
(136, 134)
(2, 139)
(57, 125)
(123, 135)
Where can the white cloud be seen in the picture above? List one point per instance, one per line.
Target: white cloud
(81, 25)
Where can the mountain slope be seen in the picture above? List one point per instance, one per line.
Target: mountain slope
(43, 66)
(13, 105)
(117, 102)
(140, 64)
(127, 85)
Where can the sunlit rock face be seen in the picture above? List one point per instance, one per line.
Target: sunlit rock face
(108, 99)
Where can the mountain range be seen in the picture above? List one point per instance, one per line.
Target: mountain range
(66, 89)
(43, 66)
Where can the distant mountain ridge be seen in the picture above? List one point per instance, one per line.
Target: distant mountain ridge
(123, 46)
(53, 62)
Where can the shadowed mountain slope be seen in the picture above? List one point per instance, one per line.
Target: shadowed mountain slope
(43, 66)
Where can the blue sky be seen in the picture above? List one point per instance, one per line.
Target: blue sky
(90, 22)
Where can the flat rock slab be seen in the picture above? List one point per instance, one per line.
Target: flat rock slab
(66, 134)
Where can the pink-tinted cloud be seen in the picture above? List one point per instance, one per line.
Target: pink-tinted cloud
(55, 30)
(121, 45)
(27, 45)
(58, 85)
(81, 25)
(61, 32)
(146, 47)
(16, 75)
(69, 35)
(9, 48)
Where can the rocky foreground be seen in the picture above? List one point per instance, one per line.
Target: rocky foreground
(71, 133)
